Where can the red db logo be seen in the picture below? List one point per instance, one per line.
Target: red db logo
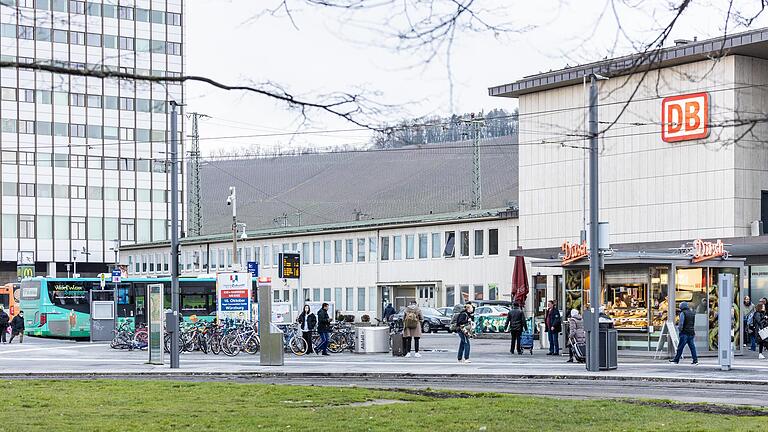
(685, 117)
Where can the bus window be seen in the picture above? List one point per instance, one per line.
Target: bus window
(4, 300)
(30, 289)
(71, 295)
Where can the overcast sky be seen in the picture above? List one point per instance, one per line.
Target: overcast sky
(231, 42)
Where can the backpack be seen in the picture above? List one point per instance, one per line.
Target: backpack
(411, 320)
(453, 327)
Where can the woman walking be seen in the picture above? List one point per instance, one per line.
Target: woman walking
(465, 327)
(308, 321)
(759, 322)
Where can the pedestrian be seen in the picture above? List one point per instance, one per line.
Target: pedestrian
(17, 327)
(749, 334)
(515, 326)
(412, 318)
(554, 323)
(388, 312)
(308, 321)
(465, 324)
(687, 333)
(576, 333)
(759, 322)
(4, 318)
(324, 328)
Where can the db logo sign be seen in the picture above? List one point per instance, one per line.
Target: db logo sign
(685, 117)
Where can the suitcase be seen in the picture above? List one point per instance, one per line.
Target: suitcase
(526, 342)
(398, 350)
(579, 350)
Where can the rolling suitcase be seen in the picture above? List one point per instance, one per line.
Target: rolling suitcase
(398, 350)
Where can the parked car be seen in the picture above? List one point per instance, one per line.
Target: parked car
(434, 320)
(506, 303)
(447, 311)
(491, 311)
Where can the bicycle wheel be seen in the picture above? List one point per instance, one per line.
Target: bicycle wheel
(252, 345)
(336, 343)
(230, 345)
(298, 345)
(141, 336)
(215, 344)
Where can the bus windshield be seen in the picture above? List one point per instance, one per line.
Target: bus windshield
(71, 295)
(30, 289)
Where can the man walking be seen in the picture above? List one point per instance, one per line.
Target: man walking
(515, 326)
(687, 333)
(324, 328)
(388, 312)
(749, 311)
(17, 327)
(554, 323)
(4, 318)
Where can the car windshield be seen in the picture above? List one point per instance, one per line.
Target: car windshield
(430, 311)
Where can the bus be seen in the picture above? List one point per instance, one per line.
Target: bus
(60, 307)
(9, 298)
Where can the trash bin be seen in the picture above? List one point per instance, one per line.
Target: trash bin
(371, 340)
(609, 348)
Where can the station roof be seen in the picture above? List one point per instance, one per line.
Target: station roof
(351, 226)
(752, 43)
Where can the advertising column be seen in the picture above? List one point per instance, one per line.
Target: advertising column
(233, 296)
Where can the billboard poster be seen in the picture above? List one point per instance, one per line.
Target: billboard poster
(233, 295)
(281, 313)
(155, 321)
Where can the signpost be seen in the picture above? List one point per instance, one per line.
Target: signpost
(155, 321)
(116, 275)
(289, 265)
(253, 268)
(233, 295)
(724, 311)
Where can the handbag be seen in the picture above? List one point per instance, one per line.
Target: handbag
(763, 333)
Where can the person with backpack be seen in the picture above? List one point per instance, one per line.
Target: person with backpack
(465, 327)
(515, 326)
(4, 319)
(307, 320)
(412, 318)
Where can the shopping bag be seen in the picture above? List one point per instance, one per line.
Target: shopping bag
(763, 333)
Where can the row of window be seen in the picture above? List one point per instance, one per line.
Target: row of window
(44, 227)
(91, 66)
(346, 251)
(74, 130)
(105, 10)
(346, 299)
(62, 160)
(71, 37)
(47, 97)
(467, 293)
(84, 192)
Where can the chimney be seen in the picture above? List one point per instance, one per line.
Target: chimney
(681, 42)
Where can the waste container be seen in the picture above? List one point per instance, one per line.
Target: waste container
(371, 340)
(609, 348)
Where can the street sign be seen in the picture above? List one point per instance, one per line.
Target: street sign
(233, 295)
(116, 275)
(289, 266)
(253, 268)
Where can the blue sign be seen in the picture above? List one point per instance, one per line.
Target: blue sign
(116, 274)
(253, 268)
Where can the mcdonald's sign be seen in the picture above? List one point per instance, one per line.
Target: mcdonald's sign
(25, 271)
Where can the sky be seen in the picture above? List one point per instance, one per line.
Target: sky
(320, 50)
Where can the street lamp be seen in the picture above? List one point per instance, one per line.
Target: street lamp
(232, 201)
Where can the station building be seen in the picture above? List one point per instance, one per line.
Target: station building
(682, 150)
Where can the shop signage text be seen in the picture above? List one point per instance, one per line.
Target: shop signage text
(685, 117)
(574, 251)
(703, 250)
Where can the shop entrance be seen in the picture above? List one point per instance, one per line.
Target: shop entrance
(401, 295)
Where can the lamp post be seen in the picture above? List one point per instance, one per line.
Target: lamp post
(174, 238)
(232, 201)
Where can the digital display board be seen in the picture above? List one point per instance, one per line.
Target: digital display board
(290, 266)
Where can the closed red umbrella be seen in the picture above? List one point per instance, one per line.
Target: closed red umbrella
(519, 281)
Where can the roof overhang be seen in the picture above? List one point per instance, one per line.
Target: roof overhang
(751, 44)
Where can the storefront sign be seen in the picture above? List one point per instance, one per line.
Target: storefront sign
(703, 250)
(233, 295)
(685, 117)
(574, 251)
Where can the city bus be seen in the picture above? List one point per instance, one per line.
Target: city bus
(60, 307)
(9, 298)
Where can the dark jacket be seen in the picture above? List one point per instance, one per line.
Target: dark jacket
(389, 311)
(464, 319)
(4, 319)
(759, 320)
(553, 319)
(687, 320)
(311, 320)
(323, 321)
(516, 320)
(17, 324)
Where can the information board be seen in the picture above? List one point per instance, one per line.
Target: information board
(233, 295)
(155, 321)
(289, 266)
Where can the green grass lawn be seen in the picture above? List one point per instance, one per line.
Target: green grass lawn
(104, 405)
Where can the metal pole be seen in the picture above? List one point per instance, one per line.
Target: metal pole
(593, 354)
(233, 198)
(174, 239)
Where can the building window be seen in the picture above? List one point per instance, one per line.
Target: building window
(478, 289)
(337, 251)
(77, 192)
(350, 299)
(423, 246)
(8, 94)
(77, 228)
(77, 161)
(479, 242)
(26, 189)
(493, 291)
(360, 299)
(361, 250)
(372, 248)
(60, 191)
(493, 241)
(436, 245)
(326, 294)
(450, 244)
(397, 247)
(305, 253)
(26, 226)
(10, 189)
(385, 248)
(127, 194)
(76, 38)
(315, 252)
(128, 230)
(266, 258)
(350, 252)
(327, 252)
(76, 7)
(464, 289)
(464, 243)
(77, 130)
(409, 246)
(126, 164)
(316, 294)
(450, 295)
(125, 12)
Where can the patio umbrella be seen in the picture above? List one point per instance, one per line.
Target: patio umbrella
(519, 281)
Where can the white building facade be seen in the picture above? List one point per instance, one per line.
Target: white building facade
(435, 260)
(84, 160)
